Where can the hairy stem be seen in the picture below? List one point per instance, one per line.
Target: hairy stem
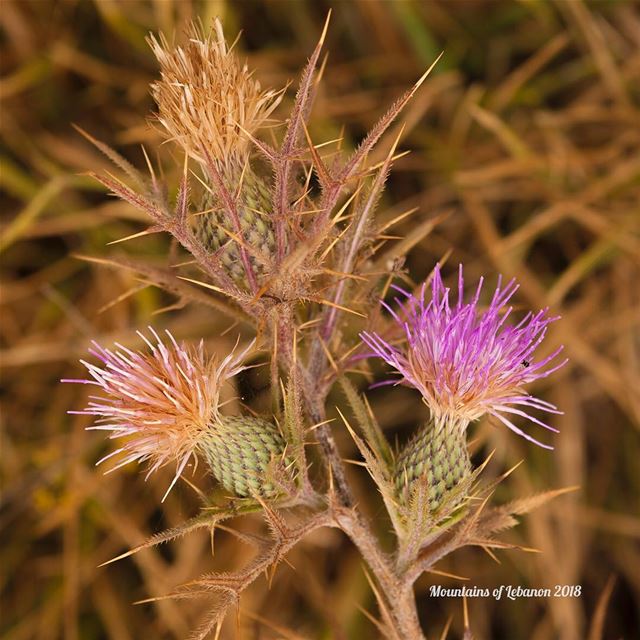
(314, 398)
(330, 450)
(399, 598)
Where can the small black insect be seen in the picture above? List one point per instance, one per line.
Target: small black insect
(526, 363)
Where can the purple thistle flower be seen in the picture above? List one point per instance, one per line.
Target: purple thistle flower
(162, 403)
(467, 361)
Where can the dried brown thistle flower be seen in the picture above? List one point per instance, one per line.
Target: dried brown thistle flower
(259, 231)
(210, 104)
(207, 98)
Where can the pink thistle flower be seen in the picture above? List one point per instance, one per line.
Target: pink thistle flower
(467, 361)
(161, 403)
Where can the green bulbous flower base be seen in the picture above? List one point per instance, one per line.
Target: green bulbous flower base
(243, 454)
(438, 454)
(253, 206)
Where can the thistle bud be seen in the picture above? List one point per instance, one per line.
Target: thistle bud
(245, 455)
(164, 405)
(211, 105)
(214, 229)
(437, 454)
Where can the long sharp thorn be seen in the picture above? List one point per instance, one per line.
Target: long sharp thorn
(203, 284)
(424, 76)
(338, 306)
(349, 200)
(149, 165)
(266, 149)
(398, 218)
(325, 29)
(140, 234)
(447, 626)
(321, 169)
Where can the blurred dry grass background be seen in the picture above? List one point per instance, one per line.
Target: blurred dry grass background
(526, 140)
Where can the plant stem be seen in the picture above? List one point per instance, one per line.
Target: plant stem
(330, 452)
(314, 398)
(399, 599)
(398, 602)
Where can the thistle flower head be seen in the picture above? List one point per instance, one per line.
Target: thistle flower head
(468, 361)
(206, 98)
(161, 402)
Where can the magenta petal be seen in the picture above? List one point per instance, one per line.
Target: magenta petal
(466, 359)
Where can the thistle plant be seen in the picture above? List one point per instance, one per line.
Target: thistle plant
(210, 105)
(466, 362)
(165, 403)
(302, 271)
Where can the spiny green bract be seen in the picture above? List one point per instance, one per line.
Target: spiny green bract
(254, 210)
(244, 454)
(437, 453)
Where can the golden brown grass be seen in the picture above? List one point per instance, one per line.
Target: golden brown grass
(525, 148)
